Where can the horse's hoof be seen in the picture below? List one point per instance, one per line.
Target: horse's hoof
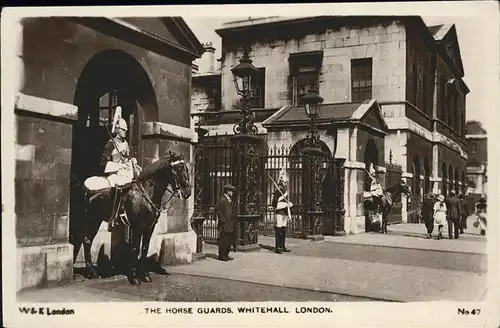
(134, 281)
(146, 278)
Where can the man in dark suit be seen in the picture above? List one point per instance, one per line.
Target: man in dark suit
(226, 210)
(453, 214)
(427, 213)
(464, 213)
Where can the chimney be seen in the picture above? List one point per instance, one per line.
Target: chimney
(208, 57)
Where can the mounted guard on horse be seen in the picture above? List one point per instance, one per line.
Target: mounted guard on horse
(376, 193)
(118, 167)
(136, 194)
(380, 201)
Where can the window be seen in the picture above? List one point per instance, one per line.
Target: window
(258, 100)
(361, 79)
(473, 147)
(307, 79)
(305, 70)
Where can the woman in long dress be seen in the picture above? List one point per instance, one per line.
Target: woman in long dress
(481, 215)
(440, 215)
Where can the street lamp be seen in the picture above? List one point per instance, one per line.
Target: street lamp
(245, 160)
(313, 156)
(245, 78)
(312, 105)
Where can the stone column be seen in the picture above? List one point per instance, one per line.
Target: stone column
(174, 241)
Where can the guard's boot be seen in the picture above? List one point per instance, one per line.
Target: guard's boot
(115, 209)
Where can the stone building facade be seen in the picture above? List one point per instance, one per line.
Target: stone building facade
(413, 74)
(477, 165)
(72, 72)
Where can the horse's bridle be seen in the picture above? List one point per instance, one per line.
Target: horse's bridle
(173, 192)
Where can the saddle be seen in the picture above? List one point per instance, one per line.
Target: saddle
(98, 186)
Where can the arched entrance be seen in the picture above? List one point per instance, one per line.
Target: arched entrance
(444, 177)
(109, 79)
(299, 172)
(416, 176)
(302, 180)
(450, 178)
(427, 177)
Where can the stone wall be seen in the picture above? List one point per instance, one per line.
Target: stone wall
(54, 60)
(43, 159)
(385, 44)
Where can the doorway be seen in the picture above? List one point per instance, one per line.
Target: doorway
(111, 78)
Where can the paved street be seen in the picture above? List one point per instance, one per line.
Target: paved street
(400, 266)
(179, 288)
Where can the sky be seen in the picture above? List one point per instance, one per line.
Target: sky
(471, 42)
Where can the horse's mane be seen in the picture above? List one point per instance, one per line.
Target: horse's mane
(153, 168)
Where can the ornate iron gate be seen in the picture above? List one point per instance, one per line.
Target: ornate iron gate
(300, 170)
(212, 171)
(214, 168)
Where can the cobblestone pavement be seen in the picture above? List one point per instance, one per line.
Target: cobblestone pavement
(179, 288)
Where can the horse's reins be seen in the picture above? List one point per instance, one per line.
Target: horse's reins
(141, 187)
(162, 209)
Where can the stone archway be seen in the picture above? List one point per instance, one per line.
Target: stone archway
(110, 78)
(444, 177)
(427, 177)
(416, 175)
(450, 178)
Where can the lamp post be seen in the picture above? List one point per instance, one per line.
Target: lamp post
(313, 156)
(198, 218)
(245, 160)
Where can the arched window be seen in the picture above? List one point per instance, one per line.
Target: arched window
(427, 177)
(444, 177)
(450, 178)
(416, 175)
(464, 183)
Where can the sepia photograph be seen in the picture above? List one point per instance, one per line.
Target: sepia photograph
(259, 158)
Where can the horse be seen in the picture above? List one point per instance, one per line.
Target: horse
(390, 196)
(142, 203)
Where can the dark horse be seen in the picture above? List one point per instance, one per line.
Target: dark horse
(384, 204)
(142, 202)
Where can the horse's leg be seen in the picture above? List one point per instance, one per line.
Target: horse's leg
(142, 267)
(387, 208)
(92, 224)
(135, 242)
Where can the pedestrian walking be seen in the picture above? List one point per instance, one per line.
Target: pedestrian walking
(427, 213)
(281, 204)
(481, 217)
(226, 210)
(440, 215)
(453, 215)
(464, 213)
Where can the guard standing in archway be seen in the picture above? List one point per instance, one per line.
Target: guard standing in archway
(282, 205)
(117, 164)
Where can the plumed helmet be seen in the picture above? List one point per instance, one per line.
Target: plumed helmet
(371, 169)
(283, 177)
(122, 124)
